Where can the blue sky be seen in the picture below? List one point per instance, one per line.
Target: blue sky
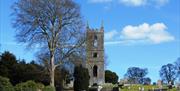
(141, 33)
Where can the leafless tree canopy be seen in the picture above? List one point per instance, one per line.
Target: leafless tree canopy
(177, 64)
(168, 73)
(53, 25)
(43, 21)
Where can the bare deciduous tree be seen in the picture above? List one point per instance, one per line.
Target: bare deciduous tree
(135, 75)
(53, 25)
(177, 64)
(168, 73)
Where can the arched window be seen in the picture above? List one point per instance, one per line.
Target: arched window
(95, 71)
(95, 41)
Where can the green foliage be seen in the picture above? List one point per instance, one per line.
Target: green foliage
(5, 85)
(28, 86)
(146, 88)
(81, 76)
(49, 88)
(111, 77)
(19, 71)
(7, 61)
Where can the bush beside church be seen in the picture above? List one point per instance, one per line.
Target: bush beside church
(5, 85)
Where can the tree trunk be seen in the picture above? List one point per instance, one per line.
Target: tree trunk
(52, 77)
(52, 70)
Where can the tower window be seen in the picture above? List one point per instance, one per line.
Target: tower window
(95, 71)
(95, 41)
(95, 55)
(95, 37)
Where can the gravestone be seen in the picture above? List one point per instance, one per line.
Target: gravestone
(159, 84)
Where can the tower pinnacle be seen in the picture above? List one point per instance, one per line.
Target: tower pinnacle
(102, 25)
(87, 26)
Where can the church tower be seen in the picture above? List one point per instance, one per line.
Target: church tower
(95, 55)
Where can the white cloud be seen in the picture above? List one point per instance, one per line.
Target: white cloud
(111, 35)
(133, 2)
(141, 34)
(136, 3)
(155, 33)
(99, 1)
(160, 3)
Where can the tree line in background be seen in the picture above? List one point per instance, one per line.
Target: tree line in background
(168, 73)
(19, 71)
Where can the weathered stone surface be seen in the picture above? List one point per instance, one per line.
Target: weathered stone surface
(95, 55)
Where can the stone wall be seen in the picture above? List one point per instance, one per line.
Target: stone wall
(95, 45)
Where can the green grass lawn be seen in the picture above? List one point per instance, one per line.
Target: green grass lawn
(136, 87)
(146, 88)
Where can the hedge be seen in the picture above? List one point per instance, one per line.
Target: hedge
(49, 88)
(29, 86)
(5, 84)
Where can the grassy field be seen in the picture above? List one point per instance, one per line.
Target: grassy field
(136, 87)
(146, 88)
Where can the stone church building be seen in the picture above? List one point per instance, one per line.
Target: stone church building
(94, 61)
(95, 55)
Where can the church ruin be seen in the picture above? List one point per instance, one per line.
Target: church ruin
(95, 55)
(94, 61)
